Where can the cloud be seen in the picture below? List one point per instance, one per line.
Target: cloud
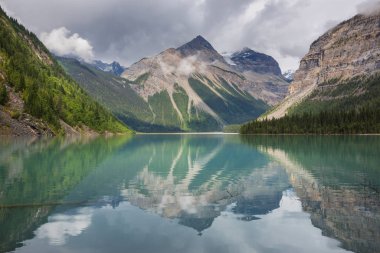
(61, 42)
(185, 67)
(369, 7)
(128, 30)
(62, 226)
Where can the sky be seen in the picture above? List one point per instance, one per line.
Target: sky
(128, 30)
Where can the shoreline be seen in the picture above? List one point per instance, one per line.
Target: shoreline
(221, 133)
(189, 133)
(378, 134)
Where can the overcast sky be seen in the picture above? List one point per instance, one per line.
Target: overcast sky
(127, 30)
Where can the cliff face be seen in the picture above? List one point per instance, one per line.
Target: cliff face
(347, 51)
(350, 49)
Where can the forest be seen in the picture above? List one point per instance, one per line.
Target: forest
(355, 121)
(47, 91)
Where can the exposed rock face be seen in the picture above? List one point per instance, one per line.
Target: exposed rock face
(114, 67)
(263, 73)
(249, 60)
(289, 75)
(195, 73)
(15, 122)
(202, 48)
(350, 49)
(211, 87)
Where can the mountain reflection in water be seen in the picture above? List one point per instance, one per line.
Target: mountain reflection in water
(148, 193)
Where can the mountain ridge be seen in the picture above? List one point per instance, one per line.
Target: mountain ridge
(199, 70)
(336, 89)
(189, 88)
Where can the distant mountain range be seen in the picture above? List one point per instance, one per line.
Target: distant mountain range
(191, 88)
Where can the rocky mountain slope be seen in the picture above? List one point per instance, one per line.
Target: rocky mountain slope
(339, 71)
(36, 95)
(113, 92)
(262, 72)
(193, 87)
(249, 60)
(113, 68)
(289, 75)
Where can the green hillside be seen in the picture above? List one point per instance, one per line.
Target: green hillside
(348, 107)
(356, 93)
(29, 71)
(115, 93)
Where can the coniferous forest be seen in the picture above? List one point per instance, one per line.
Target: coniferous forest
(47, 91)
(362, 121)
(350, 114)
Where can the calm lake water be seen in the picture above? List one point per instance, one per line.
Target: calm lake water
(191, 193)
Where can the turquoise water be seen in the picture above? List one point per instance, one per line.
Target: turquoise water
(190, 193)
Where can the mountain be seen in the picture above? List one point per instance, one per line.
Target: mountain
(156, 111)
(114, 67)
(340, 72)
(263, 73)
(336, 89)
(36, 96)
(191, 88)
(202, 48)
(289, 75)
(113, 92)
(201, 90)
(249, 60)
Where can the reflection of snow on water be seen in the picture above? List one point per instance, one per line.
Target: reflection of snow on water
(290, 202)
(61, 226)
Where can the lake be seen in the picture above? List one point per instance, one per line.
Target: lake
(190, 193)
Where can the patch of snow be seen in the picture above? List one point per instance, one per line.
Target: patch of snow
(227, 57)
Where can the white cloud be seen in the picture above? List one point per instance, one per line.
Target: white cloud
(369, 7)
(120, 30)
(62, 42)
(187, 66)
(62, 226)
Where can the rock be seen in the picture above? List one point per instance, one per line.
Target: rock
(249, 60)
(351, 49)
(213, 89)
(114, 67)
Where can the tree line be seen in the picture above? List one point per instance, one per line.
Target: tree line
(365, 120)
